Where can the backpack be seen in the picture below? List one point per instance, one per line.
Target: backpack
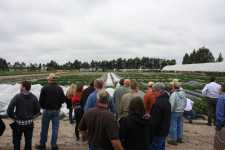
(2, 127)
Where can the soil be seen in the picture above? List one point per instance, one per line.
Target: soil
(197, 136)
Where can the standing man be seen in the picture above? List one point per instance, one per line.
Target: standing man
(178, 102)
(123, 89)
(126, 99)
(99, 126)
(160, 114)
(51, 99)
(23, 108)
(211, 92)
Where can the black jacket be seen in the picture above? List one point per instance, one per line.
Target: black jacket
(23, 107)
(161, 112)
(135, 132)
(85, 95)
(52, 97)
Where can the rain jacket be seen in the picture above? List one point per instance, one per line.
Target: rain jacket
(178, 101)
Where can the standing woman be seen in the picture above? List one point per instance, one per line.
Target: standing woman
(135, 129)
(219, 143)
(69, 94)
(78, 111)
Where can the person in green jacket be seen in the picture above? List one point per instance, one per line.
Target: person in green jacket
(178, 102)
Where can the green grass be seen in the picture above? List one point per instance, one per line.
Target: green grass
(84, 78)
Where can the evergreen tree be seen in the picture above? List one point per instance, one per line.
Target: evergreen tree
(186, 59)
(220, 58)
(3, 65)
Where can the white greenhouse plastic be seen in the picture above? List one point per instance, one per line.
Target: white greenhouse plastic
(203, 67)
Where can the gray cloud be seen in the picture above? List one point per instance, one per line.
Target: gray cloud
(38, 31)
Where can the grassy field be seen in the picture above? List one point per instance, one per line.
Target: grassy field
(73, 77)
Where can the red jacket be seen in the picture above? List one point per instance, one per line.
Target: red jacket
(149, 100)
(75, 99)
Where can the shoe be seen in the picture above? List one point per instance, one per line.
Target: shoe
(40, 147)
(55, 147)
(171, 142)
(180, 140)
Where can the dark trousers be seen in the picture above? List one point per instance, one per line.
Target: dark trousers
(158, 143)
(18, 131)
(71, 115)
(211, 110)
(78, 116)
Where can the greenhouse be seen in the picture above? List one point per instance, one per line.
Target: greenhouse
(203, 67)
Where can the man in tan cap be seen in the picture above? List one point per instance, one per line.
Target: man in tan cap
(51, 99)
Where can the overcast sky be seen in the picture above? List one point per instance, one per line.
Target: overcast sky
(63, 30)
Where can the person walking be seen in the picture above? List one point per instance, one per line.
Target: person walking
(160, 117)
(211, 93)
(51, 99)
(23, 109)
(178, 103)
(78, 111)
(99, 126)
(135, 129)
(219, 140)
(69, 94)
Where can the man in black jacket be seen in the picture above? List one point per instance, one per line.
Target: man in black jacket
(86, 93)
(51, 99)
(23, 108)
(160, 114)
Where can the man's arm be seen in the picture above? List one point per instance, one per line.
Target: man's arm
(88, 102)
(155, 115)
(11, 108)
(117, 145)
(36, 108)
(42, 98)
(204, 91)
(172, 100)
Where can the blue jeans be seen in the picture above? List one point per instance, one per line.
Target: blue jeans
(46, 118)
(158, 143)
(176, 126)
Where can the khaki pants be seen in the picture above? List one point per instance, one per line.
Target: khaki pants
(219, 140)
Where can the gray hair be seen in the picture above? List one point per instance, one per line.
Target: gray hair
(103, 96)
(159, 86)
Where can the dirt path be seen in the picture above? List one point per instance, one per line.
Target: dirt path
(197, 136)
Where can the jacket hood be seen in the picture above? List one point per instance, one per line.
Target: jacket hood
(137, 118)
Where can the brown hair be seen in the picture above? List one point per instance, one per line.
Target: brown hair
(137, 106)
(26, 85)
(133, 84)
(98, 84)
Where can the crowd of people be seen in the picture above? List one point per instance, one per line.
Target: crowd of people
(127, 120)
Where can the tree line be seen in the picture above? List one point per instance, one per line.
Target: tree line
(120, 63)
(202, 55)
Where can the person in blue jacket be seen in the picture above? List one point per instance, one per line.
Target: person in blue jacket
(219, 143)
